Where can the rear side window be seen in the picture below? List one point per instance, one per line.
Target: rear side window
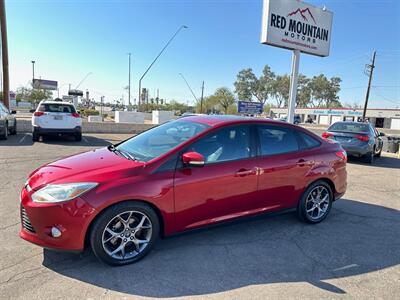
(61, 108)
(308, 141)
(277, 140)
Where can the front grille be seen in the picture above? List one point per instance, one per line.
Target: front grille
(26, 223)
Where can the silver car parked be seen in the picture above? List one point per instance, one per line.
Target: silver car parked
(8, 123)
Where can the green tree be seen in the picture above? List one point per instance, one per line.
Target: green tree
(248, 86)
(280, 90)
(24, 93)
(303, 91)
(224, 98)
(324, 92)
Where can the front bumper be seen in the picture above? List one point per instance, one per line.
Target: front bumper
(41, 130)
(72, 218)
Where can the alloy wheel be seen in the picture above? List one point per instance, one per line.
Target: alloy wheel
(317, 202)
(127, 235)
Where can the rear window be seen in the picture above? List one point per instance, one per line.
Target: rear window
(349, 127)
(61, 108)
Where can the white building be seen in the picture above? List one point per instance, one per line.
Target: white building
(381, 118)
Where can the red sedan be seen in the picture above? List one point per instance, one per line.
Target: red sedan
(185, 174)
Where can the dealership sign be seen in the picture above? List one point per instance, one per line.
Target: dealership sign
(45, 84)
(296, 25)
(252, 108)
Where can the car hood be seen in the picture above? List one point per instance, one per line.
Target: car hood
(98, 165)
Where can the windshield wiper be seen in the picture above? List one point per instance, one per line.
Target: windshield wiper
(122, 153)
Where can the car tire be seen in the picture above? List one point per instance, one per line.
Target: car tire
(14, 129)
(78, 137)
(379, 153)
(35, 137)
(368, 158)
(309, 209)
(116, 242)
(4, 136)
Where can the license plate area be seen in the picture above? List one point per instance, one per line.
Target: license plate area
(58, 117)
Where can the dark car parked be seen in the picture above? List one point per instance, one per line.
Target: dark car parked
(8, 123)
(358, 139)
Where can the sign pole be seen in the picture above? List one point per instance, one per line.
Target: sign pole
(293, 85)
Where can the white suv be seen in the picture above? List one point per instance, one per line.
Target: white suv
(56, 117)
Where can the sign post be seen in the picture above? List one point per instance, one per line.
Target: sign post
(293, 85)
(297, 26)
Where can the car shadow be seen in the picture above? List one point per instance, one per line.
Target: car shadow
(390, 162)
(356, 238)
(87, 140)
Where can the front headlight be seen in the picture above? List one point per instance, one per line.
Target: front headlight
(61, 192)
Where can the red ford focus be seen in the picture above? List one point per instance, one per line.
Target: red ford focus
(185, 174)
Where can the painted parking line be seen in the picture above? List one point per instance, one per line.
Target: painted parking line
(85, 140)
(346, 267)
(22, 139)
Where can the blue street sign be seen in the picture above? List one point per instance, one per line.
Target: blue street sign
(253, 108)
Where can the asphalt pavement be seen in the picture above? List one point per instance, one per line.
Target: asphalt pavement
(354, 253)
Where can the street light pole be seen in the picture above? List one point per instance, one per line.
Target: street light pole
(159, 54)
(33, 71)
(129, 82)
(189, 87)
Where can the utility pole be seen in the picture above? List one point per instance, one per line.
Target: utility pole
(129, 82)
(33, 71)
(4, 52)
(369, 71)
(201, 99)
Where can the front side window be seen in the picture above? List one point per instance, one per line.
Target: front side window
(226, 144)
(276, 140)
(161, 139)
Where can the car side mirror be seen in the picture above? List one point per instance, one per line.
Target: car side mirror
(381, 134)
(193, 159)
(13, 112)
(32, 110)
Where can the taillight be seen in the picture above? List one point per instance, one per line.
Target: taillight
(342, 155)
(75, 115)
(38, 113)
(326, 135)
(363, 138)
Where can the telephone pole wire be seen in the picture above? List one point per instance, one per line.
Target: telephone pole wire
(370, 70)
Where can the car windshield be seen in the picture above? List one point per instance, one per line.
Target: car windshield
(161, 139)
(60, 108)
(350, 127)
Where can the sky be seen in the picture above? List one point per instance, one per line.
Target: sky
(69, 39)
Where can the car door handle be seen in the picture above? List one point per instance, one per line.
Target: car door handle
(302, 162)
(244, 172)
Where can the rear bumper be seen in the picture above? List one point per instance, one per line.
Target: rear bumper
(358, 150)
(40, 130)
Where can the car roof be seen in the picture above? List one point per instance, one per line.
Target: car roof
(219, 120)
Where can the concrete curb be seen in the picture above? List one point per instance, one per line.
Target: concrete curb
(24, 126)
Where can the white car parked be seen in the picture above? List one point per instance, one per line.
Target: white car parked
(56, 118)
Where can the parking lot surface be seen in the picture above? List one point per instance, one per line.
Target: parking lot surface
(354, 253)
